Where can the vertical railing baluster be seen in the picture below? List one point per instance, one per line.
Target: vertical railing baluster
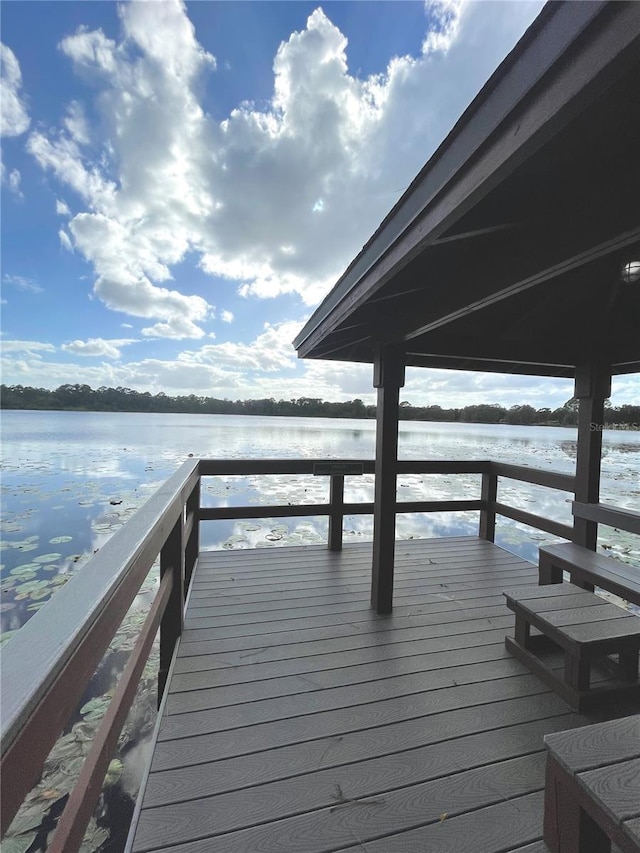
(336, 516)
(171, 560)
(488, 495)
(192, 548)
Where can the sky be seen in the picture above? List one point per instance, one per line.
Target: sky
(182, 183)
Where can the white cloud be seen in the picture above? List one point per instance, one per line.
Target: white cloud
(445, 16)
(65, 240)
(278, 199)
(62, 208)
(14, 182)
(33, 348)
(226, 316)
(271, 351)
(98, 347)
(14, 118)
(21, 282)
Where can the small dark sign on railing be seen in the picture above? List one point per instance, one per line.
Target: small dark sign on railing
(326, 469)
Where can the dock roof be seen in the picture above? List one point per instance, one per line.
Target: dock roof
(508, 250)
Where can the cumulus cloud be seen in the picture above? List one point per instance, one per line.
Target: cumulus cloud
(62, 208)
(14, 117)
(98, 347)
(226, 316)
(271, 351)
(277, 198)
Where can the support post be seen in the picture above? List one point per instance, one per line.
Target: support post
(336, 517)
(488, 496)
(592, 388)
(388, 378)
(171, 560)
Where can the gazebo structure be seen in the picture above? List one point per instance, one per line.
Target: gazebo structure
(514, 249)
(292, 717)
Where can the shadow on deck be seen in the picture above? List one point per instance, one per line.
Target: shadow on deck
(299, 720)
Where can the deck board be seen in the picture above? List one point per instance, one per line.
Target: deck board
(299, 720)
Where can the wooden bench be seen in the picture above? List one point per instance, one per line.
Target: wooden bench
(586, 628)
(592, 789)
(588, 569)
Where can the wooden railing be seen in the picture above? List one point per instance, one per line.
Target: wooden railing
(48, 665)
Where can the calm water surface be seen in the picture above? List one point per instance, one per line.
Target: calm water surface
(70, 479)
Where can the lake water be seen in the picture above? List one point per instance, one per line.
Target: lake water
(70, 479)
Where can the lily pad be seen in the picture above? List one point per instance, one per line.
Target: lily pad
(6, 606)
(47, 558)
(27, 571)
(96, 708)
(59, 540)
(18, 843)
(114, 772)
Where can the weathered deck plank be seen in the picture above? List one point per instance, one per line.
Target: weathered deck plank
(298, 719)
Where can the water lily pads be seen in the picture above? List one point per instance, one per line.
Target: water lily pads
(47, 558)
(26, 570)
(114, 772)
(18, 843)
(96, 708)
(6, 606)
(59, 540)
(10, 527)
(6, 636)
(30, 546)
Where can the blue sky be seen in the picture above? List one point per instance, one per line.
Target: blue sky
(183, 183)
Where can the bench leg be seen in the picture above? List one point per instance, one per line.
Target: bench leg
(577, 581)
(628, 665)
(567, 827)
(577, 672)
(522, 631)
(547, 572)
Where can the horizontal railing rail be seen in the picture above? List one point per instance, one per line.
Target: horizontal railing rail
(612, 516)
(48, 665)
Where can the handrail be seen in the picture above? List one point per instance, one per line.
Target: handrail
(612, 516)
(61, 646)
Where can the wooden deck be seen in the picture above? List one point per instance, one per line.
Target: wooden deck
(298, 720)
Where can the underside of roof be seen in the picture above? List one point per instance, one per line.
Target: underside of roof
(506, 252)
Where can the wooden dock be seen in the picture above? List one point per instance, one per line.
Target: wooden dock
(299, 720)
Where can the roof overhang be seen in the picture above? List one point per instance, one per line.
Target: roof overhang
(505, 253)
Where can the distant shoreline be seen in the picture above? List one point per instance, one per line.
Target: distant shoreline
(82, 398)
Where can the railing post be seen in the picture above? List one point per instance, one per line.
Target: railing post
(336, 516)
(488, 496)
(192, 548)
(171, 560)
(592, 387)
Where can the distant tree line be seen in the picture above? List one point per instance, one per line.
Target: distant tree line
(85, 398)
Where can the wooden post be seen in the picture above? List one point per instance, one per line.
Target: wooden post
(388, 378)
(171, 560)
(488, 495)
(336, 503)
(593, 386)
(192, 548)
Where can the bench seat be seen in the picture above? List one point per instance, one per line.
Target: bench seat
(592, 789)
(588, 569)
